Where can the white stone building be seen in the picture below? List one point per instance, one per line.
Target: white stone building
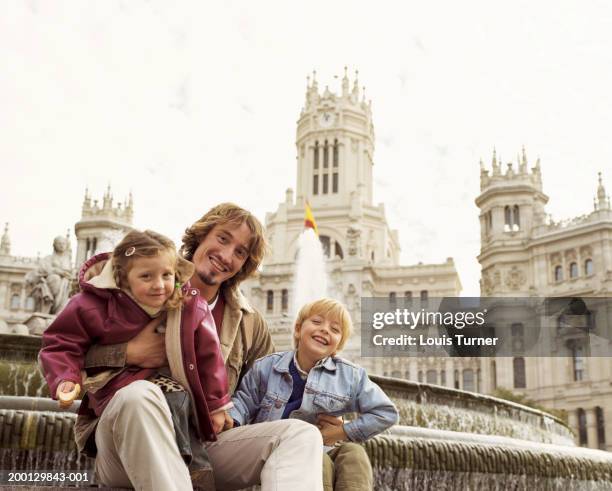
(525, 253)
(335, 163)
(98, 228)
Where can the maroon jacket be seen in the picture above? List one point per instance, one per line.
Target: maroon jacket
(109, 316)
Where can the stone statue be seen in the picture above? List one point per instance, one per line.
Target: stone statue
(50, 282)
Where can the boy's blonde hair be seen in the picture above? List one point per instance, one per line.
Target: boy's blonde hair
(150, 244)
(330, 309)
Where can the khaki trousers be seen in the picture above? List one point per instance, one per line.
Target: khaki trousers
(286, 455)
(136, 442)
(347, 468)
(137, 448)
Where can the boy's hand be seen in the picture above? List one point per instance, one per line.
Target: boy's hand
(66, 393)
(218, 421)
(229, 422)
(332, 429)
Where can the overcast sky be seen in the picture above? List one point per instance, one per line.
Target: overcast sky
(188, 104)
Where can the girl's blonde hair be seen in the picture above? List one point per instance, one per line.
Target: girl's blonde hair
(330, 309)
(150, 244)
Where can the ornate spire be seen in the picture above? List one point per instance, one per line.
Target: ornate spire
(356, 86)
(345, 84)
(494, 163)
(603, 203)
(5, 243)
(107, 201)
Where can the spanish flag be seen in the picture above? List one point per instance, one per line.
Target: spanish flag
(309, 221)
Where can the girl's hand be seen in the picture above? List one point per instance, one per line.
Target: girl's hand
(218, 421)
(67, 392)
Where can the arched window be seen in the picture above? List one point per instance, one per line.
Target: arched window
(326, 244)
(518, 338)
(424, 298)
(518, 370)
(507, 219)
(516, 220)
(392, 299)
(336, 149)
(420, 376)
(396, 374)
(478, 380)
(270, 301)
(284, 300)
(443, 377)
(512, 221)
(338, 250)
(325, 183)
(29, 305)
(588, 267)
(582, 428)
(488, 220)
(432, 377)
(315, 184)
(456, 381)
(468, 379)
(335, 182)
(15, 303)
(558, 273)
(326, 155)
(408, 299)
(601, 428)
(573, 270)
(577, 351)
(316, 155)
(407, 374)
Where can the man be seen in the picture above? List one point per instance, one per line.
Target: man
(226, 246)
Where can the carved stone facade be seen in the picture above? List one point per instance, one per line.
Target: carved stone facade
(335, 146)
(525, 253)
(99, 227)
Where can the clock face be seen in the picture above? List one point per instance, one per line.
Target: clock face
(326, 119)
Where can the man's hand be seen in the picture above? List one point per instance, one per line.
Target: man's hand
(332, 429)
(147, 349)
(218, 421)
(66, 393)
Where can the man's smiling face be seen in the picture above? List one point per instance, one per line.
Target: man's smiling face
(222, 253)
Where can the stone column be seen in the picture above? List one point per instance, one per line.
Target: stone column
(591, 421)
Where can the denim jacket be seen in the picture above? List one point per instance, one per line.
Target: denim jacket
(335, 387)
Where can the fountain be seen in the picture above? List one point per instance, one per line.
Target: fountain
(446, 439)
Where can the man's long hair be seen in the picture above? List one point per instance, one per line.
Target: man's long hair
(228, 213)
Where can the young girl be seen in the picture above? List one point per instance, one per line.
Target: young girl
(120, 294)
(313, 384)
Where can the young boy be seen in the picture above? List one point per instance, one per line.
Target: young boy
(314, 385)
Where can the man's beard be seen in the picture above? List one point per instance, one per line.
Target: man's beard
(207, 279)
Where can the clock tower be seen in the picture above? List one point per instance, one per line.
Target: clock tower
(335, 145)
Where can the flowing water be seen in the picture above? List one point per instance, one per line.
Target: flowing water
(310, 279)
